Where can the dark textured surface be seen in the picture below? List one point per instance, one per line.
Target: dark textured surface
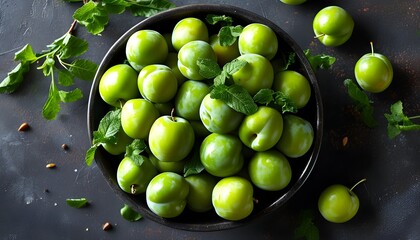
(389, 199)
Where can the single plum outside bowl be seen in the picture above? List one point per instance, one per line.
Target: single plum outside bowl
(268, 202)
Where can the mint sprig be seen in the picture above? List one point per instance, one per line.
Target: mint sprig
(228, 34)
(77, 202)
(319, 61)
(193, 165)
(108, 128)
(306, 229)
(236, 97)
(129, 214)
(363, 104)
(94, 15)
(398, 121)
(54, 63)
(268, 96)
(134, 150)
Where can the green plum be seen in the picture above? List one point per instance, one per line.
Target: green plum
(166, 194)
(257, 74)
(294, 85)
(270, 170)
(297, 137)
(187, 30)
(189, 97)
(333, 26)
(201, 188)
(157, 83)
(221, 154)
(134, 178)
(259, 39)
(262, 130)
(118, 84)
(146, 47)
(137, 117)
(232, 198)
(171, 138)
(218, 117)
(373, 72)
(188, 56)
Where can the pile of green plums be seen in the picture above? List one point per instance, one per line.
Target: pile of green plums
(165, 101)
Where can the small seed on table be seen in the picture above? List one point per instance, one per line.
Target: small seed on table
(64, 146)
(106, 226)
(345, 141)
(23, 127)
(50, 165)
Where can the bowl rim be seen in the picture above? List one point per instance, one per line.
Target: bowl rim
(224, 9)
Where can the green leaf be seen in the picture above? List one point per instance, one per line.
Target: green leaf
(149, 8)
(287, 105)
(58, 43)
(77, 202)
(52, 105)
(208, 68)
(264, 96)
(65, 78)
(363, 104)
(108, 128)
(114, 6)
(307, 229)
(70, 96)
(72, 47)
(398, 121)
(14, 78)
(193, 165)
(223, 19)
(229, 34)
(83, 69)
(234, 66)
(320, 61)
(129, 214)
(236, 97)
(26, 54)
(73, 0)
(267, 96)
(91, 16)
(134, 150)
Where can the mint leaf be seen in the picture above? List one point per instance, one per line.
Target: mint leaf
(26, 54)
(114, 6)
(234, 66)
(72, 47)
(129, 214)
(223, 19)
(193, 165)
(134, 150)
(229, 34)
(108, 128)
(14, 78)
(236, 97)
(307, 229)
(320, 61)
(77, 202)
(363, 104)
(70, 96)
(268, 96)
(65, 78)
(52, 105)
(398, 121)
(83, 69)
(149, 8)
(208, 68)
(264, 96)
(92, 16)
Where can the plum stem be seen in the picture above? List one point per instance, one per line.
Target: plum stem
(371, 47)
(320, 35)
(359, 182)
(172, 115)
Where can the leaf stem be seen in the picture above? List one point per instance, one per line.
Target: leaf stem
(414, 117)
(73, 25)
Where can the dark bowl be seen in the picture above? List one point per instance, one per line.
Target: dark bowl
(268, 202)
